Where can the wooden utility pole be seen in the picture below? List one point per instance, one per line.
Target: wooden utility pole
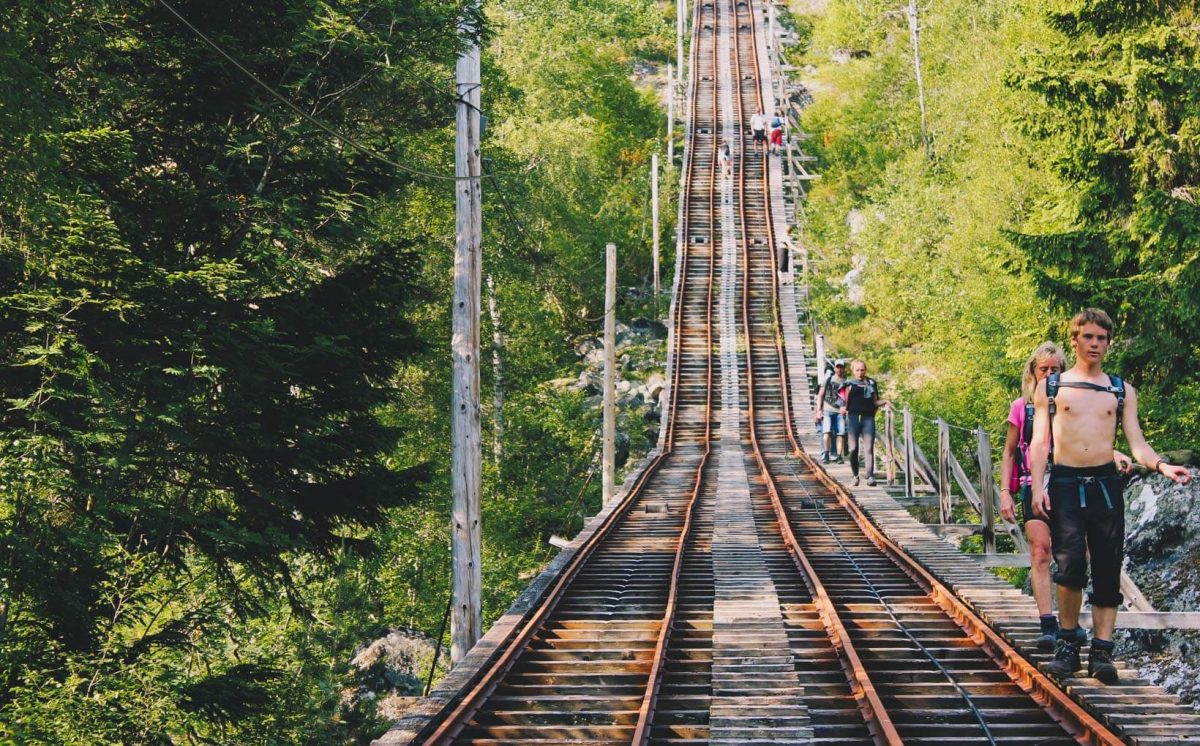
(680, 25)
(609, 432)
(771, 27)
(466, 618)
(654, 224)
(670, 116)
(914, 33)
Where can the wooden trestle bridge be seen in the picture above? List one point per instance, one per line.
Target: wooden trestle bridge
(737, 593)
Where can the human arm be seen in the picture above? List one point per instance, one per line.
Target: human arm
(1039, 450)
(1007, 462)
(1141, 450)
(820, 406)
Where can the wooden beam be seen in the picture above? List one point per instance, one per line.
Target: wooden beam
(987, 493)
(951, 530)
(945, 502)
(1151, 619)
(994, 559)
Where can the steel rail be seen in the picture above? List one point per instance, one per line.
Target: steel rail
(1074, 718)
(654, 682)
(1061, 707)
(486, 683)
(874, 713)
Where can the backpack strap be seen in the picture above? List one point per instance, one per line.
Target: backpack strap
(1053, 381)
(1027, 426)
(1117, 386)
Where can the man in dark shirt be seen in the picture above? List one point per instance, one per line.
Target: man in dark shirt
(862, 401)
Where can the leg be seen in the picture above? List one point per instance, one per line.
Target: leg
(1069, 601)
(1104, 622)
(1068, 543)
(1038, 534)
(1106, 540)
(868, 437)
(855, 423)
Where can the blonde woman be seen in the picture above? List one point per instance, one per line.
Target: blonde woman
(1015, 478)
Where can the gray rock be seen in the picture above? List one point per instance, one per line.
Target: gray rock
(1162, 555)
(649, 328)
(388, 671)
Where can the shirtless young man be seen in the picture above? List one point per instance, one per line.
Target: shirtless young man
(1084, 499)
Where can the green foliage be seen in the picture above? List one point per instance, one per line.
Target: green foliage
(1117, 86)
(1060, 145)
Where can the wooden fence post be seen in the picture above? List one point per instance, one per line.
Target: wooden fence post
(889, 442)
(987, 490)
(820, 341)
(910, 456)
(945, 507)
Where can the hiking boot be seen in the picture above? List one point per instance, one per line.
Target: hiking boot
(1081, 635)
(871, 481)
(1046, 640)
(855, 480)
(824, 458)
(1101, 666)
(1066, 659)
(838, 460)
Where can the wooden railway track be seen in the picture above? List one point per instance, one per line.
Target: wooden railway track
(738, 594)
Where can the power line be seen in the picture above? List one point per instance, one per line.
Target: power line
(328, 129)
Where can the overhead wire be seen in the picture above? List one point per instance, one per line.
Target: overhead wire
(323, 126)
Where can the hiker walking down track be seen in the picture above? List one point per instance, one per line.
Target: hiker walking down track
(1078, 412)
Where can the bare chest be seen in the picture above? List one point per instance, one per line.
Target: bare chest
(1085, 425)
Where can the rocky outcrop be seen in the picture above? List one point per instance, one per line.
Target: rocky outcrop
(390, 672)
(1162, 555)
(641, 382)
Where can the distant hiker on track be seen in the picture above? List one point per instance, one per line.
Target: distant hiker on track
(725, 159)
(862, 401)
(1078, 412)
(830, 416)
(776, 138)
(758, 125)
(783, 261)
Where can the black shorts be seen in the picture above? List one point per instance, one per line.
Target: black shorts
(1027, 512)
(1087, 521)
(760, 135)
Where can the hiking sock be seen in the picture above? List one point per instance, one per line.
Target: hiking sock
(1068, 634)
(1049, 624)
(1098, 644)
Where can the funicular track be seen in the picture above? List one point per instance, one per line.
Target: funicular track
(692, 615)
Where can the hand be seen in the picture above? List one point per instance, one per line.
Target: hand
(1176, 472)
(1041, 503)
(1008, 510)
(1124, 465)
(817, 418)
(845, 411)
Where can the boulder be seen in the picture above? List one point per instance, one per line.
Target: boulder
(649, 328)
(389, 671)
(1162, 555)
